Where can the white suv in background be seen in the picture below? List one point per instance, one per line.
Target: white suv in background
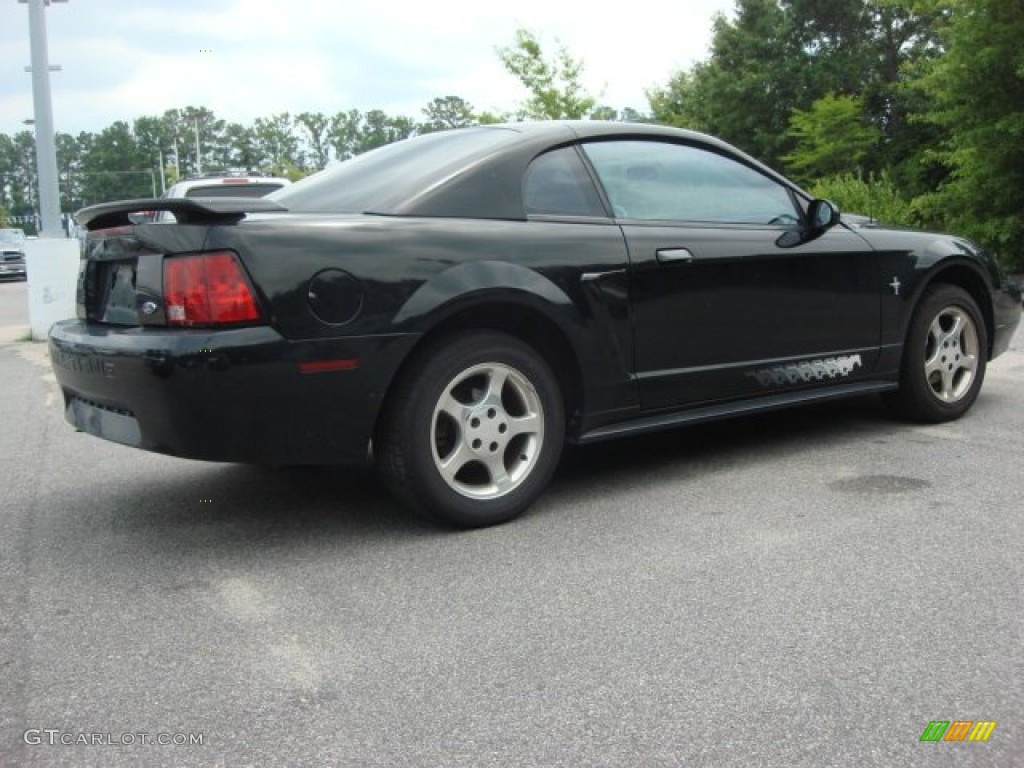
(12, 253)
(226, 184)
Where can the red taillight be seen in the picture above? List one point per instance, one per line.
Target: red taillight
(207, 289)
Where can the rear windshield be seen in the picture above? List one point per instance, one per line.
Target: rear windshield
(383, 178)
(233, 190)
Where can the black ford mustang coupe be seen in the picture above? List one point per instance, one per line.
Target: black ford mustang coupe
(456, 306)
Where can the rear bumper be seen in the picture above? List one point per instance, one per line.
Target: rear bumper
(12, 270)
(226, 395)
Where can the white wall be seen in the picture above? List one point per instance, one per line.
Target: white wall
(52, 280)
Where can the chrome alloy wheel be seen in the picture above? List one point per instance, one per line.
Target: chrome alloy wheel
(951, 354)
(487, 431)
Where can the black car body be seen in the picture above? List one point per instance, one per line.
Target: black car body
(656, 276)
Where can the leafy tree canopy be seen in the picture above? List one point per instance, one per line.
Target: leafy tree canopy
(977, 88)
(875, 196)
(831, 137)
(447, 112)
(556, 92)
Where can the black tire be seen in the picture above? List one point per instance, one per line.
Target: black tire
(473, 430)
(944, 357)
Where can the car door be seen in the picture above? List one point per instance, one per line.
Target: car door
(727, 300)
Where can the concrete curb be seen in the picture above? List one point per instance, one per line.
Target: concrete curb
(10, 334)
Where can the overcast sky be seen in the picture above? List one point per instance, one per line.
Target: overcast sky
(243, 59)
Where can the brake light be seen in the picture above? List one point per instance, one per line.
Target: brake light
(207, 289)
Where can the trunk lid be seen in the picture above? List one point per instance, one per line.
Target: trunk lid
(120, 279)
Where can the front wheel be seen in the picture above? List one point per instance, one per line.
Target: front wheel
(944, 357)
(474, 429)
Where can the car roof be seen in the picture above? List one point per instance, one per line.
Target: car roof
(473, 172)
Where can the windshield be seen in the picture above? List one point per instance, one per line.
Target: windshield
(12, 237)
(383, 178)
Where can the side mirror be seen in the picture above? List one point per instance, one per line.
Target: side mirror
(822, 215)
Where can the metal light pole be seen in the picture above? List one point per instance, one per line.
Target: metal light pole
(199, 162)
(163, 178)
(46, 148)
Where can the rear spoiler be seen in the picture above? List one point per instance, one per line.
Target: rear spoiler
(187, 210)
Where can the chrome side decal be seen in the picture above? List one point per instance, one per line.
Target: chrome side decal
(811, 370)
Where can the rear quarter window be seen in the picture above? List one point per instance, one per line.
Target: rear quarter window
(557, 184)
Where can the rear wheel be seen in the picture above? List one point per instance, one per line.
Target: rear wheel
(943, 358)
(474, 430)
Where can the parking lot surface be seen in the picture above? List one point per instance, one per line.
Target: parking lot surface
(807, 588)
(13, 309)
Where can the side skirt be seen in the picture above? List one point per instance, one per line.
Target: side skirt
(654, 423)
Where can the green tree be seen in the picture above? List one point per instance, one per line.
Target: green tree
(180, 137)
(630, 115)
(18, 180)
(447, 112)
(71, 151)
(343, 133)
(835, 38)
(185, 125)
(8, 174)
(276, 143)
(678, 103)
(875, 196)
(316, 127)
(776, 56)
(378, 129)
(978, 92)
(832, 137)
(556, 92)
(115, 167)
(240, 150)
(125, 159)
(747, 89)
(603, 112)
(153, 135)
(905, 37)
(493, 118)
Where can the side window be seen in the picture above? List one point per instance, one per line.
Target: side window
(677, 182)
(557, 183)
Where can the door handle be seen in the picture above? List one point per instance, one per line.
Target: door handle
(670, 255)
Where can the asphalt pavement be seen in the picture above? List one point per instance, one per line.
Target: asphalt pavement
(808, 588)
(13, 309)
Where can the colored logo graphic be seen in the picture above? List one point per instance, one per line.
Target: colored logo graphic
(958, 730)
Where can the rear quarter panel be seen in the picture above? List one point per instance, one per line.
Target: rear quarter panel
(417, 272)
